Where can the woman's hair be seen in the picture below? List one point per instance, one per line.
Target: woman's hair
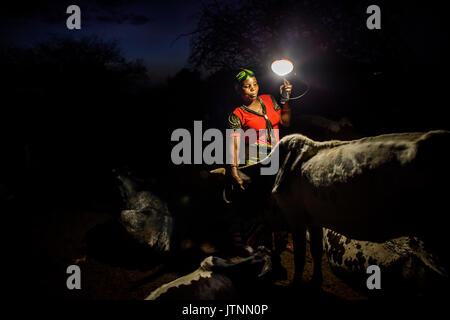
(243, 75)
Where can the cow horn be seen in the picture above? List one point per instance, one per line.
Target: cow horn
(219, 171)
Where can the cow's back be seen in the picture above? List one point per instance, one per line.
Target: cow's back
(377, 187)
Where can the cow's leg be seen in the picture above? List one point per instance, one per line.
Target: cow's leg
(299, 239)
(279, 241)
(315, 242)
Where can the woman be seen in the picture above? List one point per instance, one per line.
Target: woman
(261, 113)
(264, 115)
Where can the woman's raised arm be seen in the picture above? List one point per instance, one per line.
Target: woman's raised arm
(285, 117)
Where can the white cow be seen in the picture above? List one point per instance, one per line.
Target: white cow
(406, 265)
(373, 189)
(218, 279)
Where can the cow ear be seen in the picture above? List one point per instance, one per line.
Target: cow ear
(295, 156)
(283, 173)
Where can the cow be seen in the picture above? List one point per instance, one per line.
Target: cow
(373, 188)
(406, 264)
(219, 279)
(145, 217)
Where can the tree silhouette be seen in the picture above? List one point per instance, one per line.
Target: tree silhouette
(252, 32)
(64, 64)
(80, 109)
(381, 77)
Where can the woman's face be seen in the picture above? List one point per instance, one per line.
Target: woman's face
(249, 90)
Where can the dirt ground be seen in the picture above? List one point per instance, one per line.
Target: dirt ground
(113, 267)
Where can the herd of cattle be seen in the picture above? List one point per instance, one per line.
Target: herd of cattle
(373, 201)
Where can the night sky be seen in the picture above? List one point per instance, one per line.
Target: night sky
(147, 30)
(152, 31)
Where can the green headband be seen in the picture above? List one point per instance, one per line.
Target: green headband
(243, 75)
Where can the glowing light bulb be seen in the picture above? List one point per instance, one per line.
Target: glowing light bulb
(282, 66)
